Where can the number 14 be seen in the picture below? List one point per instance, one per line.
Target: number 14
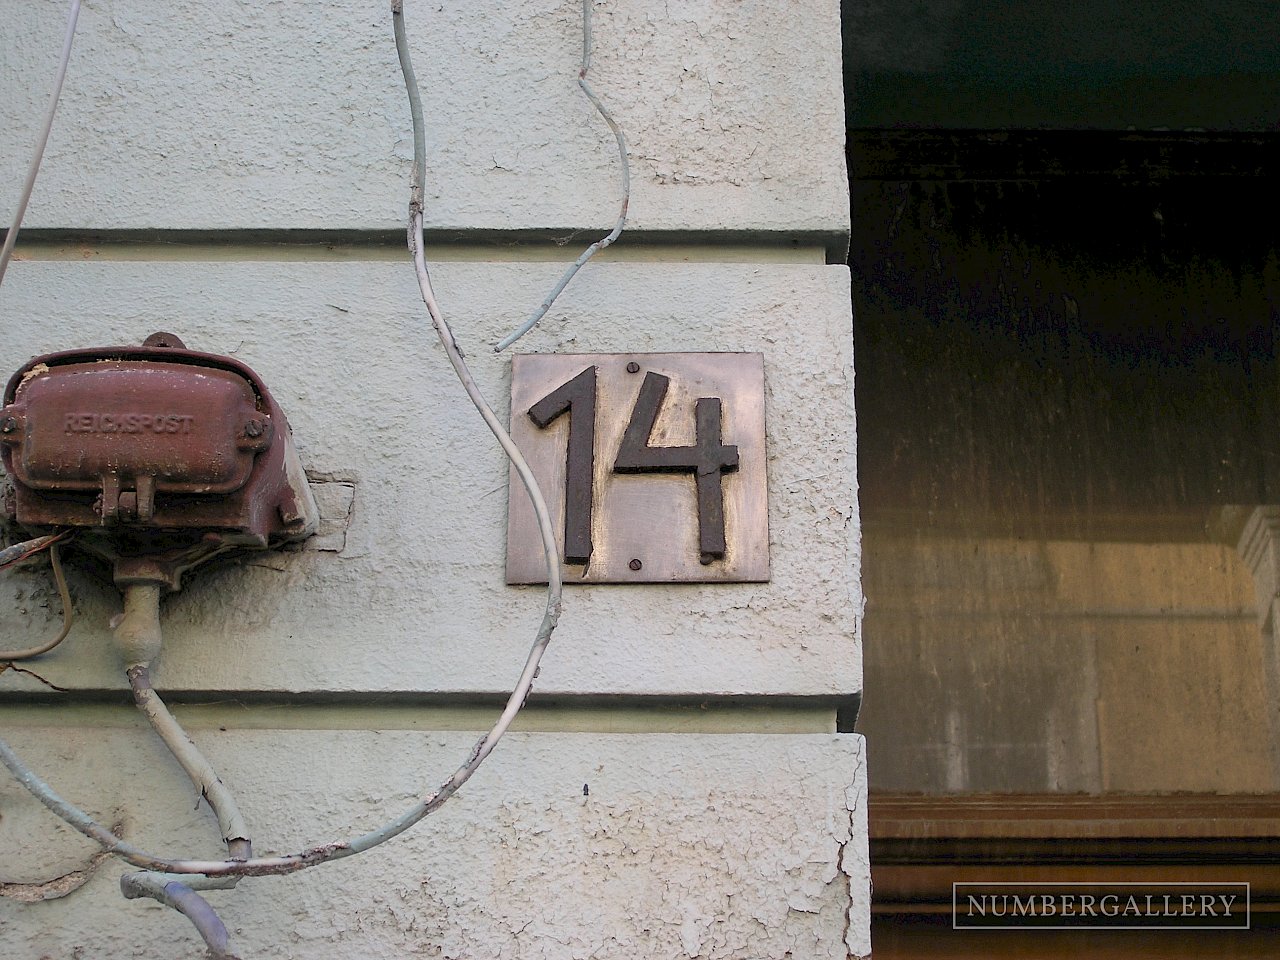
(708, 459)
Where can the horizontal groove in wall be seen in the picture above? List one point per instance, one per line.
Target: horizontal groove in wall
(634, 715)
(442, 245)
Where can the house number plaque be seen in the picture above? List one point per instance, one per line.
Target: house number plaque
(653, 466)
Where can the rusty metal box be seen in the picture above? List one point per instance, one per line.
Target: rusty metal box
(151, 438)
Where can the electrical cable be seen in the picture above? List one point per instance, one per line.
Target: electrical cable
(28, 548)
(12, 236)
(59, 577)
(613, 235)
(235, 833)
(179, 893)
(138, 632)
(340, 849)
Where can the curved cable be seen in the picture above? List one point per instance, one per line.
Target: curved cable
(235, 833)
(339, 849)
(600, 244)
(138, 639)
(180, 895)
(60, 578)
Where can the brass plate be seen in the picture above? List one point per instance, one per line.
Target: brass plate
(645, 525)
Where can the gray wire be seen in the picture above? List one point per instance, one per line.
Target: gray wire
(235, 833)
(12, 236)
(600, 244)
(337, 850)
(178, 893)
(26, 548)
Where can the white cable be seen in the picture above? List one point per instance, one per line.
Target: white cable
(339, 849)
(613, 235)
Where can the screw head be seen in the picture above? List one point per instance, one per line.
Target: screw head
(253, 428)
(162, 338)
(633, 367)
(635, 564)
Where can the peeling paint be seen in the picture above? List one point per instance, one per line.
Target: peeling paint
(688, 846)
(54, 888)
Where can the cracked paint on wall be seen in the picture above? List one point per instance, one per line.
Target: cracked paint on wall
(686, 846)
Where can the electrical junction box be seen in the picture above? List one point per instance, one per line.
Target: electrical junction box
(159, 456)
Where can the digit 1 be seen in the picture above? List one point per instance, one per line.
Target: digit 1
(577, 397)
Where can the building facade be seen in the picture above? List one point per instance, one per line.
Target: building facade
(683, 782)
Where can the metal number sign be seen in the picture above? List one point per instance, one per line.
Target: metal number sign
(653, 466)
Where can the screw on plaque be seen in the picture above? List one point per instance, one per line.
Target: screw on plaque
(635, 564)
(633, 367)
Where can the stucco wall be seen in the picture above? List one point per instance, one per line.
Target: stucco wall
(372, 403)
(197, 116)
(681, 846)
(680, 790)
